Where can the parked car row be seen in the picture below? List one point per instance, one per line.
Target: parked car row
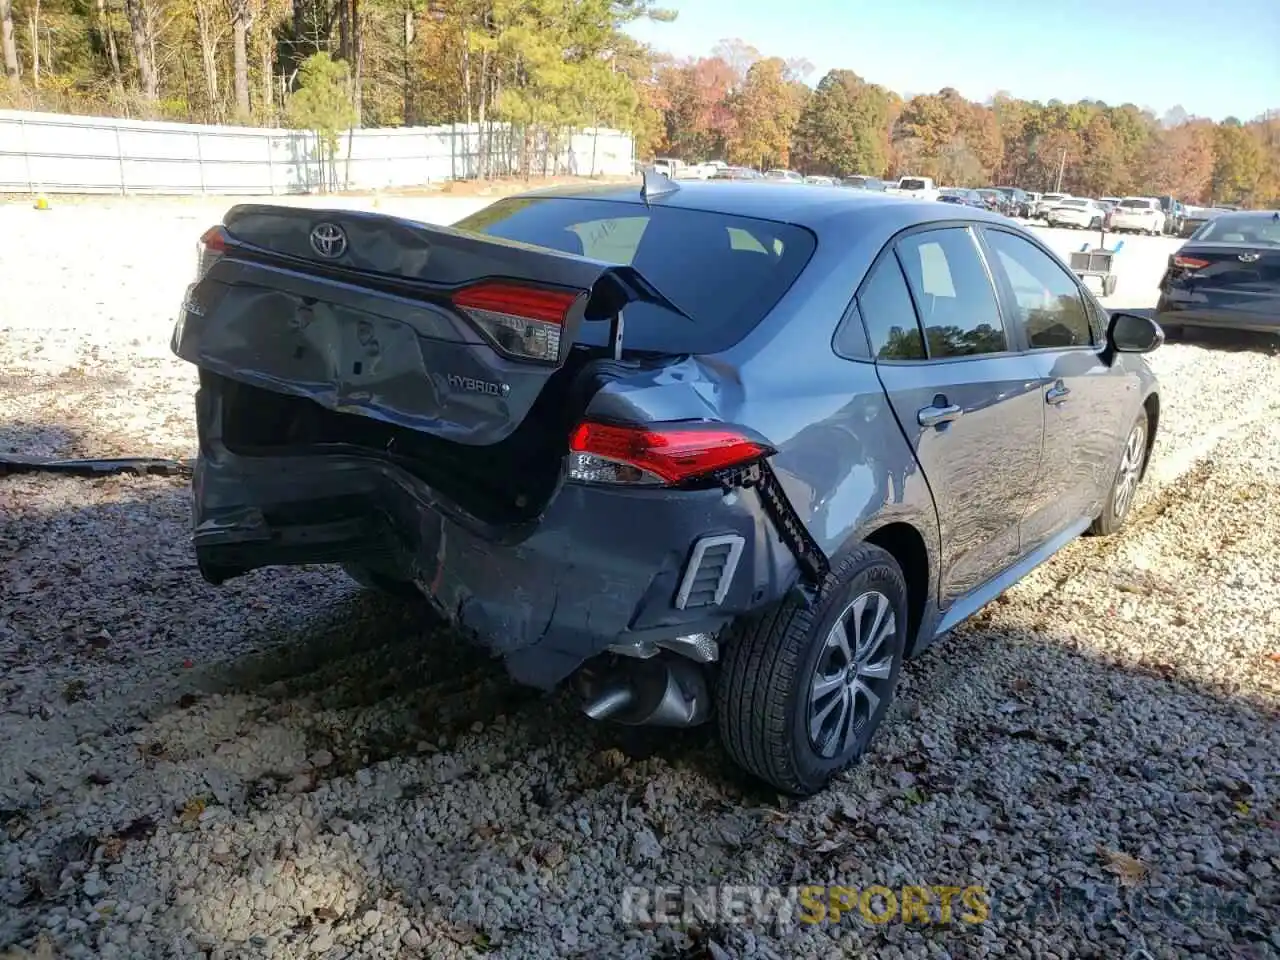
(1154, 216)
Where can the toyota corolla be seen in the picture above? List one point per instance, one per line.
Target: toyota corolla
(703, 452)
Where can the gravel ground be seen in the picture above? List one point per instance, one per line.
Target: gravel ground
(286, 766)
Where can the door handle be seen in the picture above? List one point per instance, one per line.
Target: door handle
(937, 415)
(1057, 394)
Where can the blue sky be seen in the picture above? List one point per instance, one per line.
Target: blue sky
(1215, 62)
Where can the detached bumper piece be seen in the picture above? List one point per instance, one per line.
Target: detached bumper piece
(12, 463)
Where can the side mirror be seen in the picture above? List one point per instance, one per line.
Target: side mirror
(1131, 333)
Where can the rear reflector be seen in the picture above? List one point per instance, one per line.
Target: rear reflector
(523, 321)
(657, 454)
(1189, 263)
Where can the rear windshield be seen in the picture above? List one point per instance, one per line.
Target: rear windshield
(1072, 203)
(1241, 228)
(725, 272)
(1137, 204)
(911, 185)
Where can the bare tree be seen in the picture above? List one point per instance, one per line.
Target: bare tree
(108, 39)
(33, 30)
(142, 32)
(6, 40)
(241, 19)
(210, 35)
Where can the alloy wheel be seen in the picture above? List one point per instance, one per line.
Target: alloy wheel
(852, 675)
(1135, 449)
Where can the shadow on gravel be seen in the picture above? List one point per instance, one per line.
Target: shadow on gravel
(1231, 341)
(1013, 752)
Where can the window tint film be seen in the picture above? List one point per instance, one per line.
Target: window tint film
(889, 316)
(725, 272)
(1049, 305)
(953, 295)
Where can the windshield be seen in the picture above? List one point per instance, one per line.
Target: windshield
(1257, 228)
(911, 183)
(725, 272)
(1132, 204)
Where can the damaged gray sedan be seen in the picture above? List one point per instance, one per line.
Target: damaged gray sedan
(702, 450)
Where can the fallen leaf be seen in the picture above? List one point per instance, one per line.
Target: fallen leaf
(191, 810)
(1130, 870)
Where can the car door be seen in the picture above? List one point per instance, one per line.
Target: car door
(1087, 402)
(966, 399)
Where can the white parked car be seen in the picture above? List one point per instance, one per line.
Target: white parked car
(1047, 201)
(821, 181)
(1076, 212)
(787, 176)
(917, 188)
(1138, 215)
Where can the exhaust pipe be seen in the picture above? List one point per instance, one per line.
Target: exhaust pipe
(658, 692)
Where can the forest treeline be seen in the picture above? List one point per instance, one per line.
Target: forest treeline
(552, 65)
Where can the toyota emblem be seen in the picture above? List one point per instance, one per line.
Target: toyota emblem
(328, 240)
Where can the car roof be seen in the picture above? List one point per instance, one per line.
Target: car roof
(812, 206)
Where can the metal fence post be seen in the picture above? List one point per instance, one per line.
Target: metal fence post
(200, 163)
(124, 190)
(26, 154)
(453, 151)
(271, 168)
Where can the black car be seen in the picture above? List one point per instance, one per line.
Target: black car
(1019, 203)
(1193, 218)
(1227, 276)
(864, 183)
(995, 200)
(962, 196)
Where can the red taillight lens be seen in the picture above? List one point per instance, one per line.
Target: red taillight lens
(1189, 263)
(657, 454)
(523, 321)
(212, 245)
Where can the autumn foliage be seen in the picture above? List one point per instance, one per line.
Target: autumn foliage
(748, 109)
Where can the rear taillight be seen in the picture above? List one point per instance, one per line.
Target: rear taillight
(1188, 263)
(523, 321)
(212, 245)
(657, 454)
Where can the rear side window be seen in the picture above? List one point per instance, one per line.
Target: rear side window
(726, 272)
(954, 298)
(888, 314)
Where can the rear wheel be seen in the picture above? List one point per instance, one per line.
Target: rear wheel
(1095, 223)
(1125, 486)
(804, 687)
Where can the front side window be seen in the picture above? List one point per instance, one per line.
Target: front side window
(1050, 307)
(953, 294)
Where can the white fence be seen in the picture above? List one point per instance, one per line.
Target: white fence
(58, 153)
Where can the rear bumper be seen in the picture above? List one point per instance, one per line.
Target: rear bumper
(601, 567)
(1175, 312)
(1135, 223)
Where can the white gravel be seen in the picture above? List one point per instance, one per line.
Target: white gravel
(285, 767)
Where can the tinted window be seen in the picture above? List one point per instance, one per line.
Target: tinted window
(887, 312)
(1241, 228)
(953, 294)
(725, 272)
(1049, 305)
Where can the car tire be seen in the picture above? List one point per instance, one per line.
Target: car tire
(1124, 487)
(372, 579)
(1109, 285)
(1095, 223)
(775, 663)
